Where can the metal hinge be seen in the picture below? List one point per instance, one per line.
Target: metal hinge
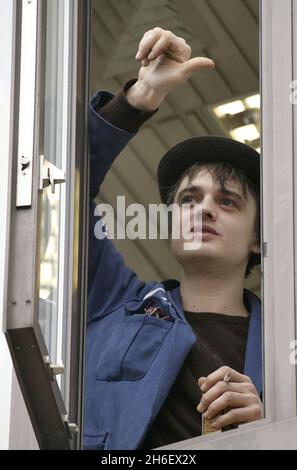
(50, 175)
(71, 428)
(265, 249)
(53, 369)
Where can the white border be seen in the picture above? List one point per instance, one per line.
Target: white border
(6, 102)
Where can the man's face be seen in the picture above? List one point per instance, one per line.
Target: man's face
(228, 213)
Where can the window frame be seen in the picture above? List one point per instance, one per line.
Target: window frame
(51, 422)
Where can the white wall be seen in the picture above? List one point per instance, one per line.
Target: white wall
(5, 104)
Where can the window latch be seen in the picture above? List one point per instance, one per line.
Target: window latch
(24, 182)
(50, 175)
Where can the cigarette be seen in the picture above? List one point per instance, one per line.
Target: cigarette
(227, 377)
(172, 57)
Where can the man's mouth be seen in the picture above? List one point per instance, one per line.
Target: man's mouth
(204, 229)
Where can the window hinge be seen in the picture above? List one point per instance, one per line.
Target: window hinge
(53, 369)
(265, 249)
(71, 428)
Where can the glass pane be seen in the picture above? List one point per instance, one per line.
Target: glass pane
(53, 201)
(224, 102)
(49, 269)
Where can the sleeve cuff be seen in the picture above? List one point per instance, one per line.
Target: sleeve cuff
(120, 113)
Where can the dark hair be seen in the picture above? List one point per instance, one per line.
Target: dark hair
(221, 173)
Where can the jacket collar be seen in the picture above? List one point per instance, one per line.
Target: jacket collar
(253, 353)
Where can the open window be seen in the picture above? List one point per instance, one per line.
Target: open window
(46, 251)
(45, 289)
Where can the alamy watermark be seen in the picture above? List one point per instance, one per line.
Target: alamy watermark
(174, 221)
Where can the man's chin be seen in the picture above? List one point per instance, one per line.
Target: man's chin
(203, 254)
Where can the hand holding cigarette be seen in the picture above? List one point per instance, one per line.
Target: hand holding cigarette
(229, 398)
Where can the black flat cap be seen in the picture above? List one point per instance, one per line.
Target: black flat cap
(206, 149)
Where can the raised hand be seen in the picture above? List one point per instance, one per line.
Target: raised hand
(166, 63)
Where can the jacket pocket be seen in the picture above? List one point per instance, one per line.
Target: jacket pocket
(132, 347)
(95, 442)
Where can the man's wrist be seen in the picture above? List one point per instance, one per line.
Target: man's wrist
(120, 113)
(143, 97)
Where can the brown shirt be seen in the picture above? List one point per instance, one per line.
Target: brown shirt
(221, 340)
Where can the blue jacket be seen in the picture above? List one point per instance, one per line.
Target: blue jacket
(132, 359)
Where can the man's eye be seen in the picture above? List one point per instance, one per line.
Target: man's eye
(188, 199)
(228, 201)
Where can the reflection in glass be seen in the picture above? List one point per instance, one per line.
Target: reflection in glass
(55, 141)
(240, 118)
(48, 292)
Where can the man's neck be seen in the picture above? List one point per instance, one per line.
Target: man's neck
(206, 292)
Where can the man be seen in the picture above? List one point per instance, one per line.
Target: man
(145, 374)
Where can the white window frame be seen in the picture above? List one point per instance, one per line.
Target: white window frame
(6, 116)
(57, 420)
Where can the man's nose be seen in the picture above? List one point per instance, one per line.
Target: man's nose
(208, 209)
